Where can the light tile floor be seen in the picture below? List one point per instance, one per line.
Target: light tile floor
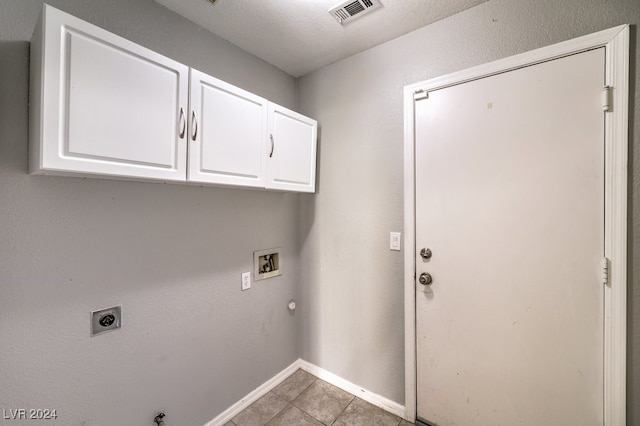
(304, 400)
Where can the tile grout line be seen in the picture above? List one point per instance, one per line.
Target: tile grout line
(291, 403)
(303, 390)
(279, 412)
(345, 408)
(307, 387)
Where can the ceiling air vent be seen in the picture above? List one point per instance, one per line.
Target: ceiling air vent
(350, 10)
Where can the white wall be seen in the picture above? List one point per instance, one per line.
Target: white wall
(352, 297)
(191, 344)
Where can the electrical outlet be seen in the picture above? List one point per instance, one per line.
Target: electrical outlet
(246, 281)
(106, 320)
(394, 240)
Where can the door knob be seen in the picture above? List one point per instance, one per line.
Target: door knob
(426, 253)
(425, 279)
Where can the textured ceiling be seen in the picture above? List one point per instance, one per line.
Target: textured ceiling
(300, 36)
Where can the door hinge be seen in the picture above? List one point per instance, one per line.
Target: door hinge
(606, 98)
(605, 271)
(420, 94)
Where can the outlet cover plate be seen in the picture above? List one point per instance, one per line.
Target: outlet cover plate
(394, 240)
(104, 320)
(246, 281)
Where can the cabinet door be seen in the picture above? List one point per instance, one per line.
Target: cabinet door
(291, 155)
(227, 131)
(102, 105)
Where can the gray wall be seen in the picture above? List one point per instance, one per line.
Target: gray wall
(192, 344)
(352, 297)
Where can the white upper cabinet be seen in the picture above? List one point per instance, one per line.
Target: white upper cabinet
(102, 105)
(227, 133)
(291, 157)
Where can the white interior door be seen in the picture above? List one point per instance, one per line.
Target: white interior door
(510, 200)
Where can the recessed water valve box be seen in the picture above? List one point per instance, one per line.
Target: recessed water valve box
(106, 320)
(267, 264)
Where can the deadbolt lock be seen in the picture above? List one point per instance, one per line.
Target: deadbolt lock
(425, 253)
(425, 279)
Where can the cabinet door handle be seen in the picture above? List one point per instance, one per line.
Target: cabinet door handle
(194, 126)
(183, 123)
(273, 145)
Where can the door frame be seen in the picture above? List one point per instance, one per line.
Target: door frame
(616, 43)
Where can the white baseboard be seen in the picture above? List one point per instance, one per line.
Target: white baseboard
(228, 414)
(372, 398)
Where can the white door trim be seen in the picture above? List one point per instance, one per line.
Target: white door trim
(616, 42)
